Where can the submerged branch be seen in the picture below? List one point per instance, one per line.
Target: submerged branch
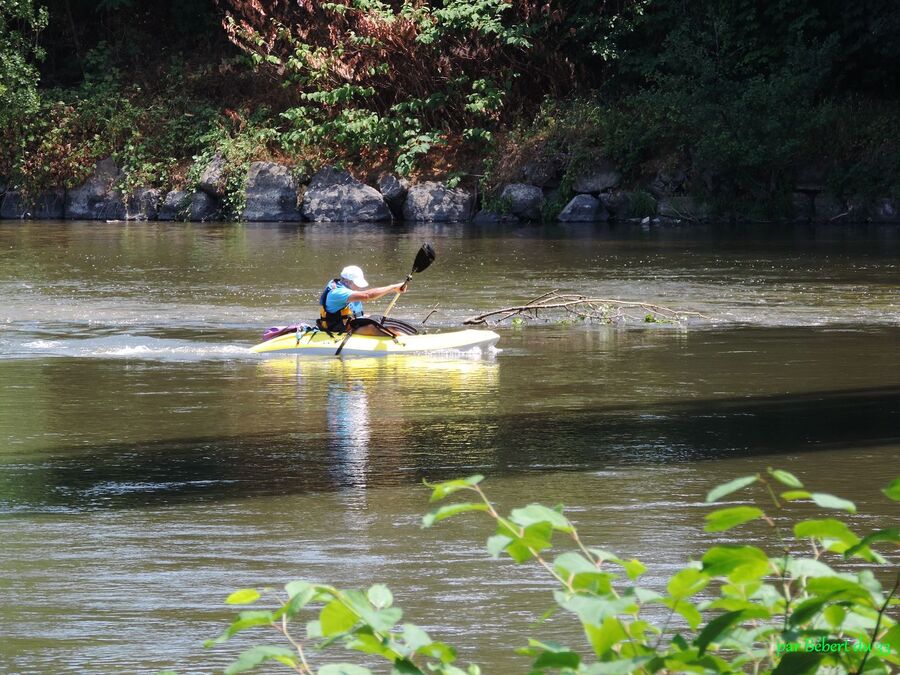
(606, 310)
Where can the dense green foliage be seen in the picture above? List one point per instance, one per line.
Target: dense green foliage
(20, 23)
(745, 94)
(804, 606)
(741, 96)
(376, 81)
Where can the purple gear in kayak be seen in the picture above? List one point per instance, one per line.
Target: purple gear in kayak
(275, 331)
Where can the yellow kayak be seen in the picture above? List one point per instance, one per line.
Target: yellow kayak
(320, 343)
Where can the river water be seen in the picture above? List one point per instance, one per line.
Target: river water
(149, 465)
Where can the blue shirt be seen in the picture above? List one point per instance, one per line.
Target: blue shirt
(339, 297)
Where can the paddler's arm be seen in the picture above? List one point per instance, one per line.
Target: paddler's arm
(375, 293)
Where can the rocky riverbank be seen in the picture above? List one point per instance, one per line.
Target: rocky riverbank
(273, 193)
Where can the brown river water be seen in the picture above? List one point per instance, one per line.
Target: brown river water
(149, 465)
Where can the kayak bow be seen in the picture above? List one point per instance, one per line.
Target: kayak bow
(320, 343)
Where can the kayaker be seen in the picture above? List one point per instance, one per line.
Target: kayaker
(342, 299)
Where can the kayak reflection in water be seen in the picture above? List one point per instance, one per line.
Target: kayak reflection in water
(341, 300)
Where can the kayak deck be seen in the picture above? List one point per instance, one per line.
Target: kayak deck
(320, 343)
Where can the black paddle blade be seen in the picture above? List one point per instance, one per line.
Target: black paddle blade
(424, 258)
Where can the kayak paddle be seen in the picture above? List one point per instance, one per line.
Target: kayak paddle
(424, 258)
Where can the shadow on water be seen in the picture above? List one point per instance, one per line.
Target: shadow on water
(362, 452)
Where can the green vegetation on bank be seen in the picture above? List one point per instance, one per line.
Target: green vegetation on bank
(814, 602)
(741, 100)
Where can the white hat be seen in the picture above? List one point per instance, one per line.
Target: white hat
(354, 274)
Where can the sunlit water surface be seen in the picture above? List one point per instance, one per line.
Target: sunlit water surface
(149, 464)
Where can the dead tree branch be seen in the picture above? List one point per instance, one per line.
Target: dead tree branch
(604, 310)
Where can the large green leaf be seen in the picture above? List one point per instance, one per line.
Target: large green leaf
(244, 621)
(686, 583)
(805, 567)
(292, 588)
(837, 537)
(892, 637)
(890, 534)
(380, 596)
(245, 596)
(605, 635)
(634, 568)
(794, 495)
(367, 643)
(533, 539)
(582, 573)
(438, 650)
(827, 501)
(538, 513)
(835, 615)
(603, 555)
(407, 667)
(538, 647)
(439, 514)
(385, 619)
(441, 490)
(714, 629)
(840, 589)
(686, 609)
(827, 528)
(893, 490)
(738, 563)
(731, 486)
(557, 659)
(786, 478)
(301, 594)
(646, 596)
(592, 609)
(254, 656)
(807, 609)
(335, 618)
(415, 637)
(381, 620)
(725, 519)
(497, 543)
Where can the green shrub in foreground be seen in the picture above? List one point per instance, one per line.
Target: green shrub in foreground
(747, 610)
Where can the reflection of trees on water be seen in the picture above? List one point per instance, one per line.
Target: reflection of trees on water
(382, 434)
(336, 425)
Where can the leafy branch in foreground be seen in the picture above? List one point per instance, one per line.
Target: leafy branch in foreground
(739, 609)
(365, 622)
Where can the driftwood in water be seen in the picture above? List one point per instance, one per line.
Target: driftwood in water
(604, 310)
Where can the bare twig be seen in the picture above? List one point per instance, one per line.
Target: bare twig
(303, 668)
(433, 310)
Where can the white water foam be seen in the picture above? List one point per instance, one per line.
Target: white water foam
(148, 351)
(134, 347)
(43, 344)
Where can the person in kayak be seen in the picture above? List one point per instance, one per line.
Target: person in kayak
(341, 301)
